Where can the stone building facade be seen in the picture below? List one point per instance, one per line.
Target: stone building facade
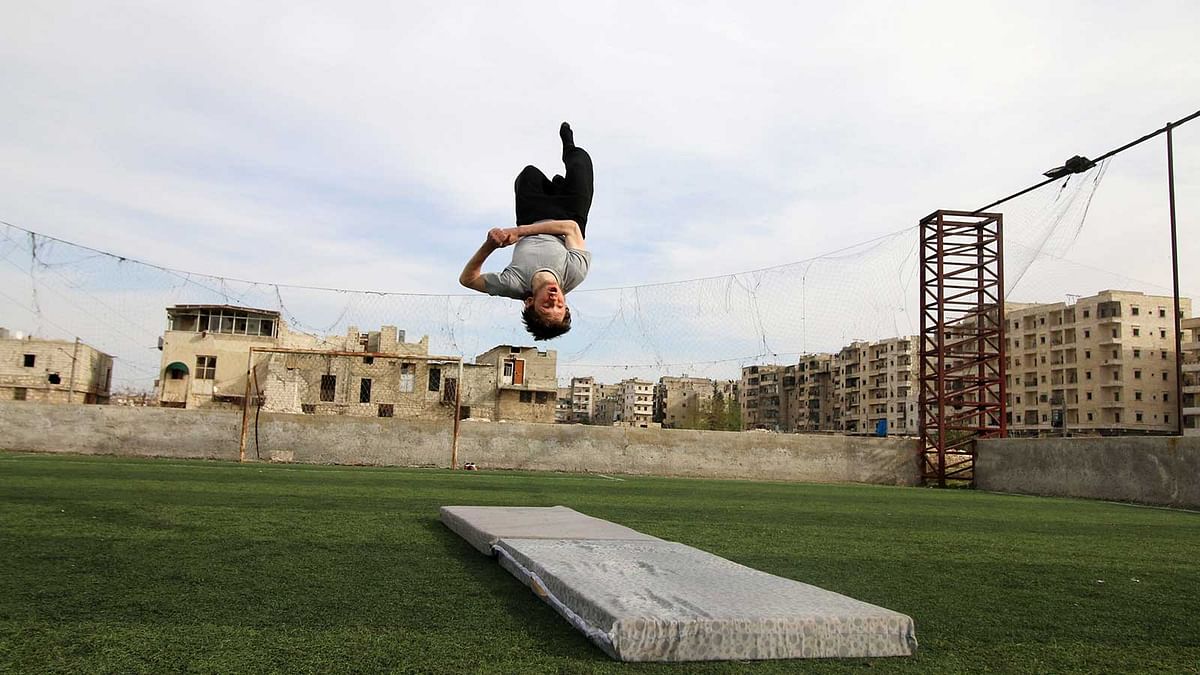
(53, 371)
(635, 398)
(852, 391)
(582, 401)
(526, 384)
(206, 351)
(1104, 364)
(1191, 377)
(682, 402)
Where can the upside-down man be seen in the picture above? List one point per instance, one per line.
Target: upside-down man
(550, 258)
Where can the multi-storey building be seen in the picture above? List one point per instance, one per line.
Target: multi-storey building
(810, 397)
(562, 409)
(527, 383)
(52, 371)
(581, 399)
(683, 402)
(606, 407)
(760, 397)
(890, 392)
(1103, 364)
(636, 402)
(1191, 377)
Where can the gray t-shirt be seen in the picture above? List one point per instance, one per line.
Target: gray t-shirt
(533, 254)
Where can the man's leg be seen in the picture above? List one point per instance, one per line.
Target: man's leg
(535, 198)
(577, 185)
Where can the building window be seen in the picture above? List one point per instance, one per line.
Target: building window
(368, 360)
(1137, 374)
(1087, 333)
(30, 359)
(435, 379)
(1164, 354)
(328, 387)
(1137, 332)
(386, 410)
(1137, 353)
(1087, 374)
(408, 372)
(1166, 397)
(206, 367)
(527, 397)
(1089, 417)
(1087, 313)
(308, 408)
(1089, 396)
(54, 378)
(1162, 333)
(1117, 417)
(1137, 395)
(1162, 313)
(19, 393)
(1087, 353)
(364, 390)
(1135, 310)
(542, 397)
(1164, 375)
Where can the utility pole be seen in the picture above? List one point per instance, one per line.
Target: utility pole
(71, 383)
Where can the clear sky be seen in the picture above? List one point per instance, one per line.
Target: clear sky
(370, 145)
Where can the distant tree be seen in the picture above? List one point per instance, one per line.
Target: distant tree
(733, 415)
(714, 413)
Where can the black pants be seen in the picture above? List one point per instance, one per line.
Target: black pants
(563, 198)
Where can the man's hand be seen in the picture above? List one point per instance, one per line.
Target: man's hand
(501, 237)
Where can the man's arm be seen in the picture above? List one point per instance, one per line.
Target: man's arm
(470, 274)
(567, 229)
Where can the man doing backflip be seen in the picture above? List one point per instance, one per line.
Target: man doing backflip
(550, 258)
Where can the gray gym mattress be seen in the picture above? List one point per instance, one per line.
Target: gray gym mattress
(483, 526)
(646, 599)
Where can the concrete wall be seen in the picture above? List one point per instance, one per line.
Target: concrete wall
(1150, 470)
(213, 434)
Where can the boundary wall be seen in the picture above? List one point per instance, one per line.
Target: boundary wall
(320, 439)
(1160, 470)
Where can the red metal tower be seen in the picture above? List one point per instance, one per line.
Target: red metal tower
(962, 360)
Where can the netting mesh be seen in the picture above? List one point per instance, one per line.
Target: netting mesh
(707, 327)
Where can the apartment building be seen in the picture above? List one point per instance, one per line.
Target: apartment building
(52, 371)
(889, 389)
(808, 394)
(852, 391)
(1104, 364)
(683, 402)
(606, 406)
(582, 401)
(760, 397)
(635, 400)
(1191, 377)
(563, 406)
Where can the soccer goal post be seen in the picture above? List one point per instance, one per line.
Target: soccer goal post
(351, 384)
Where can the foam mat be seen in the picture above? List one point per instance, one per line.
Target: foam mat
(646, 599)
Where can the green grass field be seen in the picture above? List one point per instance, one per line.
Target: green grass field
(123, 565)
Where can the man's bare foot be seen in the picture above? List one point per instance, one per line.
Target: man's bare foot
(567, 136)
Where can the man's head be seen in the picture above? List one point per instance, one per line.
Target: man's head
(546, 315)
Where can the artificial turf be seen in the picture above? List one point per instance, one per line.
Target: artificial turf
(126, 565)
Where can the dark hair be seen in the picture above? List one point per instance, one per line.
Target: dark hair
(541, 329)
